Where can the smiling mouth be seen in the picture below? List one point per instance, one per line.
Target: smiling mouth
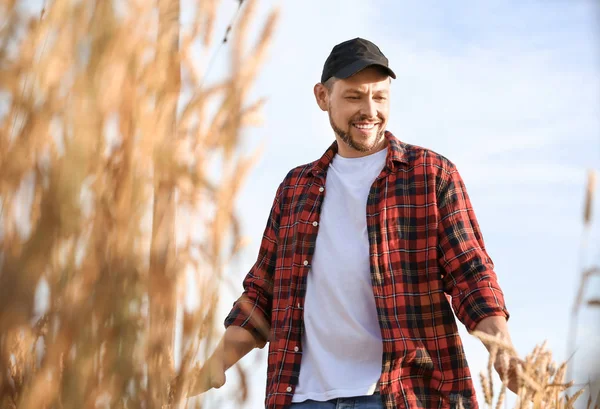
(365, 126)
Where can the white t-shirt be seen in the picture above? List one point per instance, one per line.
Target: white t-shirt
(342, 346)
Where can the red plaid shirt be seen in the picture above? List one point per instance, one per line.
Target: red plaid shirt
(427, 260)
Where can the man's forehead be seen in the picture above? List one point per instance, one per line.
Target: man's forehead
(362, 86)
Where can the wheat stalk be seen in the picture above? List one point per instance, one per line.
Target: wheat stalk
(99, 155)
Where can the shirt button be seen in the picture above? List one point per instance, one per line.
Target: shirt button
(298, 305)
(289, 389)
(296, 349)
(315, 224)
(305, 262)
(321, 189)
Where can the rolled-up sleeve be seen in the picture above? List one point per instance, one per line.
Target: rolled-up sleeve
(252, 310)
(468, 271)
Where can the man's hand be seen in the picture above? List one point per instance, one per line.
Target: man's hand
(505, 364)
(234, 345)
(211, 375)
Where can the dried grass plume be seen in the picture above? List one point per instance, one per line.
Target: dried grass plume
(109, 141)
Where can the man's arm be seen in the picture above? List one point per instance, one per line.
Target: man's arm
(248, 323)
(467, 270)
(252, 310)
(494, 326)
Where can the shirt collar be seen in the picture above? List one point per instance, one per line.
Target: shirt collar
(396, 154)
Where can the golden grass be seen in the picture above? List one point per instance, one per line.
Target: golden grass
(542, 382)
(106, 130)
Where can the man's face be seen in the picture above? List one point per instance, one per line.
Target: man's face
(358, 109)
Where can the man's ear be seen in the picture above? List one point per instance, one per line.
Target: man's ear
(322, 96)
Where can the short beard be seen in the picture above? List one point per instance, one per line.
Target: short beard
(347, 138)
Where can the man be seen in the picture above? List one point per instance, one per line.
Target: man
(362, 251)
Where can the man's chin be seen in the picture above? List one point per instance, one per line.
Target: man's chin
(359, 141)
(363, 147)
(368, 142)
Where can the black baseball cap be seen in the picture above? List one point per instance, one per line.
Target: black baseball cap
(352, 56)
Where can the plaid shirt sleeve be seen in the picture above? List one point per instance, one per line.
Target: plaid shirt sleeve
(252, 310)
(468, 271)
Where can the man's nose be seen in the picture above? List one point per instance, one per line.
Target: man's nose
(369, 109)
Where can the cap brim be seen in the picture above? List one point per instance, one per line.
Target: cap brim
(360, 65)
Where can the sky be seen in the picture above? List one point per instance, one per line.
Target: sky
(509, 92)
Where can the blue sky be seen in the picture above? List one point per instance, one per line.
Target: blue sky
(508, 92)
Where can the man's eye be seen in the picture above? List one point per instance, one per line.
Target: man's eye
(380, 98)
(352, 97)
